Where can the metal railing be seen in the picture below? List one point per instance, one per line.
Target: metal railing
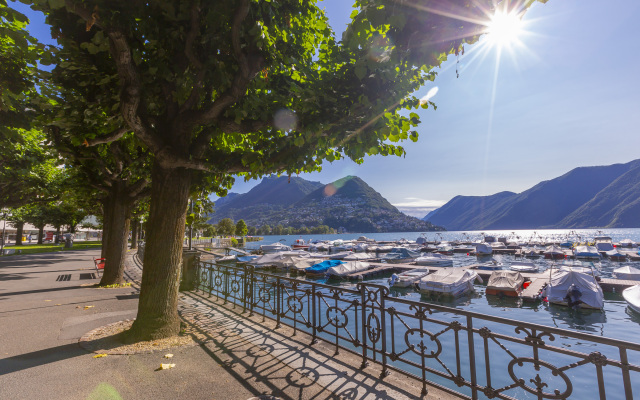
(211, 242)
(465, 353)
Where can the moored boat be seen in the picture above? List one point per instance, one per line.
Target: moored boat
(449, 281)
(274, 248)
(505, 283)
(616, 255)
(491, 266)
(300, 244)
(586, 253)
(434, 260)
(574, 289)
(399, 255)
(553, 252)
(632, 296)
(483, 250)
(408, 278)
(627, 272)
(348, 268)
(321, 268)
(523, 266)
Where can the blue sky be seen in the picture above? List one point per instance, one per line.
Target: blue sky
(567, 98)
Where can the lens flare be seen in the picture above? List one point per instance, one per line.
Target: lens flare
(285, 120)
(504, 28)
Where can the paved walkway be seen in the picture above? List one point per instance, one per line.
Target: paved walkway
(43, 314)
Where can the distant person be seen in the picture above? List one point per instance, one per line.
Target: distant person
(29, 238)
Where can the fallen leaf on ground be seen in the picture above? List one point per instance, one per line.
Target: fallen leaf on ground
(47, 300)
(99, 355)
(168, 355)
(87, 307)
(165, 366)
(58, 304)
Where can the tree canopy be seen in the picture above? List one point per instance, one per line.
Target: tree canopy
(214, 90)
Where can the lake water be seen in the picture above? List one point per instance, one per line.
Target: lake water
(616, 320)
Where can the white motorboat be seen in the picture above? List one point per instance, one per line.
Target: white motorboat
(274, 248)
(347, 268)
(491, 266)
(632, 297)
(603, 243)
(505, 283)
(616, 255)
(399, 255)
(435, 260)
(449, 281)
(483, 250)
(586, 253)
(523, 266)
(574, 289)
(407, 279)
(627, 243)
(627, 272)
(553, 252)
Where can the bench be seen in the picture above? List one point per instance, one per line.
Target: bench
(99, 263)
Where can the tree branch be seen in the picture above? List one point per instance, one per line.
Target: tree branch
(249, 65)
(113, 136)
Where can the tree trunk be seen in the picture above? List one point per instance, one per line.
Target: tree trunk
(106, 207)
(134, 233)
(115, 247)
(58, 233)
(40, 234)
(19, 231)
(158, 305)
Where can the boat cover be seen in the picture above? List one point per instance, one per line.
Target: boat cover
(505, 280)
(403, 252)
(553, 250)
(565, 282)
(359, 256)
(627, 243)
(247, 259)
(348, 268)
(276, 259)
(586, 251)
(449, 277)
(296, 262)
(323, 267)
(627, 272)
(615, 253)
(484, 249)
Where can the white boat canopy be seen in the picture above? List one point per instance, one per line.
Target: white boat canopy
(564, 281)
(627, 272)
(501, 280)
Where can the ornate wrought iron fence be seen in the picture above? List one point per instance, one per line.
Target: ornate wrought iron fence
(466, 353)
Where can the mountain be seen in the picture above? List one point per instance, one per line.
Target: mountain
(585, 197)
(271, 195)
(348, 203)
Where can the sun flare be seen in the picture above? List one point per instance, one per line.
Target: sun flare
(504, 28)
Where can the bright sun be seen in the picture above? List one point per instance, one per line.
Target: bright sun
(504, 28)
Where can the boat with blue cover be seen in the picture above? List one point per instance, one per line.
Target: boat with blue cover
(321, 268)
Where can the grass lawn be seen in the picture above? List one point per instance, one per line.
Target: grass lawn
(52, 247)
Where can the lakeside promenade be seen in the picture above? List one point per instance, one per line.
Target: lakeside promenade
(43, 316)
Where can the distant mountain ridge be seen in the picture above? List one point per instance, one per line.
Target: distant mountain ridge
(348, 203)
(585, 197)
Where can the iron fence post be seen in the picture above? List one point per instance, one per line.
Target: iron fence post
(472, 358)
(278, 303)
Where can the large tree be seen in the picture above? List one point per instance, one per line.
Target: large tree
(246, 87)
